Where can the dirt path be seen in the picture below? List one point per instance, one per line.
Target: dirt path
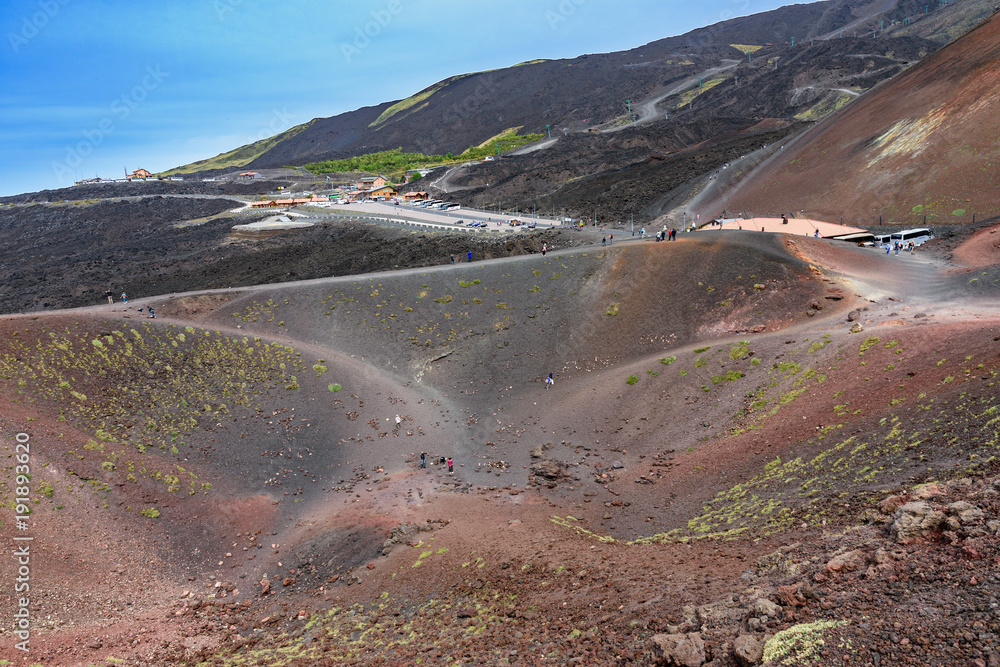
(879, 7)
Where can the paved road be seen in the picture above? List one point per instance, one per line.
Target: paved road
(647, 107)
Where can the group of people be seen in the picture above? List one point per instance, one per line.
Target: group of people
(899, 245)
(666, 234)
(110, 296)
(608, 240)
(451, 462)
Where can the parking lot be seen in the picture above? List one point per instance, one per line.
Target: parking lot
(461, 217)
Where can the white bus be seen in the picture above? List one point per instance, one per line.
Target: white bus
(917, 236)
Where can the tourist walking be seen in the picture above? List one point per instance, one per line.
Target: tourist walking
(470, 255)
(549, 381)
(152, 314)
(124, 298)
(451, 466)
(611, 239)
(110, 295)
(423, 459)
(545, 247)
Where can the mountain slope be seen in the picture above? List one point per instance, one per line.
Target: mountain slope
(922, 145)
(572, 93)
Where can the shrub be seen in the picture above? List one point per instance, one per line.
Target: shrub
(334, 387)
(632, 379)
(868, 343)
(150, 513)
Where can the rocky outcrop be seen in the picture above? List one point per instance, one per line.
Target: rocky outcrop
(747, 650)
(678, 650)
(545, 467)
(403, 533)
(915, 521)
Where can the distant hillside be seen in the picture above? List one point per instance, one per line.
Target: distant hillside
(241, 156)
(923, 146)
(572, 94)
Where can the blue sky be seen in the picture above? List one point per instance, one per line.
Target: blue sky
(92, 87)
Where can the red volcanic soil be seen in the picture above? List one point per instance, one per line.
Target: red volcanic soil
(982, 249)
(736, 422)
(920, 145)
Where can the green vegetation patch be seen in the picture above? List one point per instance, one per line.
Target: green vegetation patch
(868, 344)
(150, 387)
(395, 162)
(800, 644)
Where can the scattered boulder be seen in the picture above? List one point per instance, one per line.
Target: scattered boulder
(927, 491)
(747, 650)
(965, 512)
(722, 613)
(764, 607)
(854, 316)
(546, 467)
(678, 650)
(891, 504)
(914, 521)
(846, 562)
(403, 533)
